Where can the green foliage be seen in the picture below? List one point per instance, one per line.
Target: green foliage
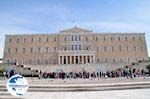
(2, 70)
(148, 67)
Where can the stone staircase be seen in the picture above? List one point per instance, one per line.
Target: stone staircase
(21, 69)
(77, 88)
(88, 67)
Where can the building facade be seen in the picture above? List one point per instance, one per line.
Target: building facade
(75, 46)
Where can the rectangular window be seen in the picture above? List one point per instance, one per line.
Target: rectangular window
(98, 60)
(32, 40)
(23, 50)
(112, 49)
(9, 50)
(30, 61)
(38, 61)
(121, 60)
(8, 60)
(128, 59)
(134, 48)
(39, 50)
(140, 38)
(126, 38)
(118, 38)
(46, 49)
(47, 39)
(120, 49)
(76, 38)
(104, 38)
(79, 38)
(79, 47)
(10, 40)
(72, 47)
(76, 47)
(142, 48)
(39, 39)
(31, 50)
(127, 48)
(55, 39)
(97, 49)
(106, 60)
(16, 50)
(114, 60)
(133, 38)
(24, 40)
(65, 38)
(55, 48)
(46, 61)
(86, 38)
(96, 38)
(87, 48)
(17, 40)
(72, 38)
(136, 59)
(111, 38)
(65, 48)
(105, 49)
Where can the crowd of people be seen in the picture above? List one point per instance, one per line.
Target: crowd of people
(125, 72)
(7, 74)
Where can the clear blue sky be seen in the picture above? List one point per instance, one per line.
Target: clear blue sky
(46, 16)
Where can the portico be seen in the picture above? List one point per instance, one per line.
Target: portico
(65, 57)
(76, 59)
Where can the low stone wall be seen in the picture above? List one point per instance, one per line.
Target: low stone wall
(87, 67)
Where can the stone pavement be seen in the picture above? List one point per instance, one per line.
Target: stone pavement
(113, 94)
(53, 89)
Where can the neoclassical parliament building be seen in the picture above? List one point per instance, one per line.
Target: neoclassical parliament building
(75, 46)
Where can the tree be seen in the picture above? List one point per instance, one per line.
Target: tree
(148, 67)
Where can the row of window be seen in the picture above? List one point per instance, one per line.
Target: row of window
(108, 60)
(78, 38)
(47, 61)
(32, 50)
(31, 61)
(120, 48)
(118, 38)
(32, 40)
(76, 47)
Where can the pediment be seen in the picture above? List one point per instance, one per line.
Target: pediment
(75, 30)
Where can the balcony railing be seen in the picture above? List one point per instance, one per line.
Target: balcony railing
(76, 52)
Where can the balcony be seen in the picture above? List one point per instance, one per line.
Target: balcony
(86, 52)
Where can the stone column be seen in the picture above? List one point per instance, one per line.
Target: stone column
(77, 59)
(86, 59)
(70, 59)
(93, 58)
(66, 59)
(62, 59)
(74, 59)
(80, 59)
(58, 59)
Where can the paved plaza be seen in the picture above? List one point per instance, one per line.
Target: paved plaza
(116, 88)
(115, 94)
